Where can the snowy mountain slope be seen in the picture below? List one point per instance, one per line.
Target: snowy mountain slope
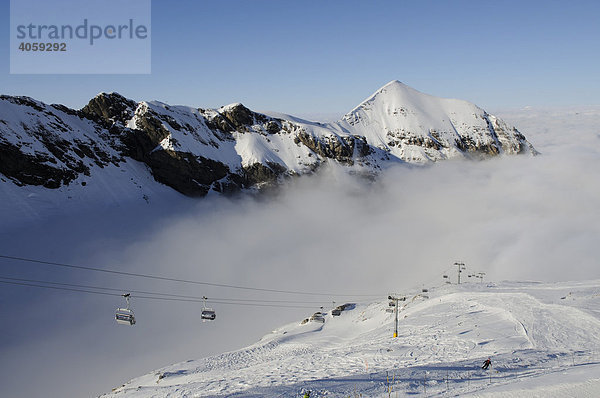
(417, 127)
(50, 145)
(531, 331)
(196, 151)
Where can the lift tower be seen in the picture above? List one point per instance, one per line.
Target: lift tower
(396, 299)
(461, 268)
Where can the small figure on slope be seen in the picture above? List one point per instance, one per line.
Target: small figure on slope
(486, 364)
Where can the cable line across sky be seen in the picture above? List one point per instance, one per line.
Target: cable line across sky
(179, 280)
(144, 294)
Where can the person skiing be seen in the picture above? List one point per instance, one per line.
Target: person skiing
(486, 364)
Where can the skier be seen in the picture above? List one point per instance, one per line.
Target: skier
(486, 364)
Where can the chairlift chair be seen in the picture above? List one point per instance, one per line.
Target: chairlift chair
(317, 317)
(125, 316)
(208, 314)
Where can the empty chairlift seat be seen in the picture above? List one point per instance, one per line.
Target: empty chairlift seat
(317, 317)
(208, 314)
(125, 316)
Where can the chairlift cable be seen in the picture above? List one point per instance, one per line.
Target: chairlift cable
(61, 288)
(165, 278)
(150, 297)
(157, 293)
(219, 300)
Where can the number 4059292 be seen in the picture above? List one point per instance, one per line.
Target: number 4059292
(43, 46)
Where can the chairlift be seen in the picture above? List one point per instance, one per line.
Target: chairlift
(336, 311)
(208, 314)
(445, 276)
(392, 303)
(124, 316)
(317, 317)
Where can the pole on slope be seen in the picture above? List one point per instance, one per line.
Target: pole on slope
(481, 275)
(395, 299)
(461, 268)
(396, 327)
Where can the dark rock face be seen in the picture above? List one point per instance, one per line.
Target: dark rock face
(259, 173)
(111, 108)
(338, 148)
(218, 122)
(24, 169)
(188, 174)
(239, 116)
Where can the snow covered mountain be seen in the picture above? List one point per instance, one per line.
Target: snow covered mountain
(417, 127)
(543, 340)
(195, 151)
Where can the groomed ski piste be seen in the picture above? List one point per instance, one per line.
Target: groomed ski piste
(543, 340)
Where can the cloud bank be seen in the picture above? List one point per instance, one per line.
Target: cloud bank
(516, 218)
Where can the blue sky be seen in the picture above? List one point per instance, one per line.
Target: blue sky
(308, 57)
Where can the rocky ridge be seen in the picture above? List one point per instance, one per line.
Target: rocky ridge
(195, 150)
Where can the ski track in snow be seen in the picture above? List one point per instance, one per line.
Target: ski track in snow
(531, 331)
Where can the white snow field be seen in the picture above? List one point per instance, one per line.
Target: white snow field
(543, 340)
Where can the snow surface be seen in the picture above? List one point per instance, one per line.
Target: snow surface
(543, 339)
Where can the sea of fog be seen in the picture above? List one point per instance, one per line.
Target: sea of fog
(514, 218)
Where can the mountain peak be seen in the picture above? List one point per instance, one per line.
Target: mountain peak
(396, 88)
(394, 83)
(418, 127)
(110, 107)
(393, 92)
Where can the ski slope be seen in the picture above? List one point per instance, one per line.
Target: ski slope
(543, 339)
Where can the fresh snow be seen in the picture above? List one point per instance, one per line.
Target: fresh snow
(397, 110)
(543, 339)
